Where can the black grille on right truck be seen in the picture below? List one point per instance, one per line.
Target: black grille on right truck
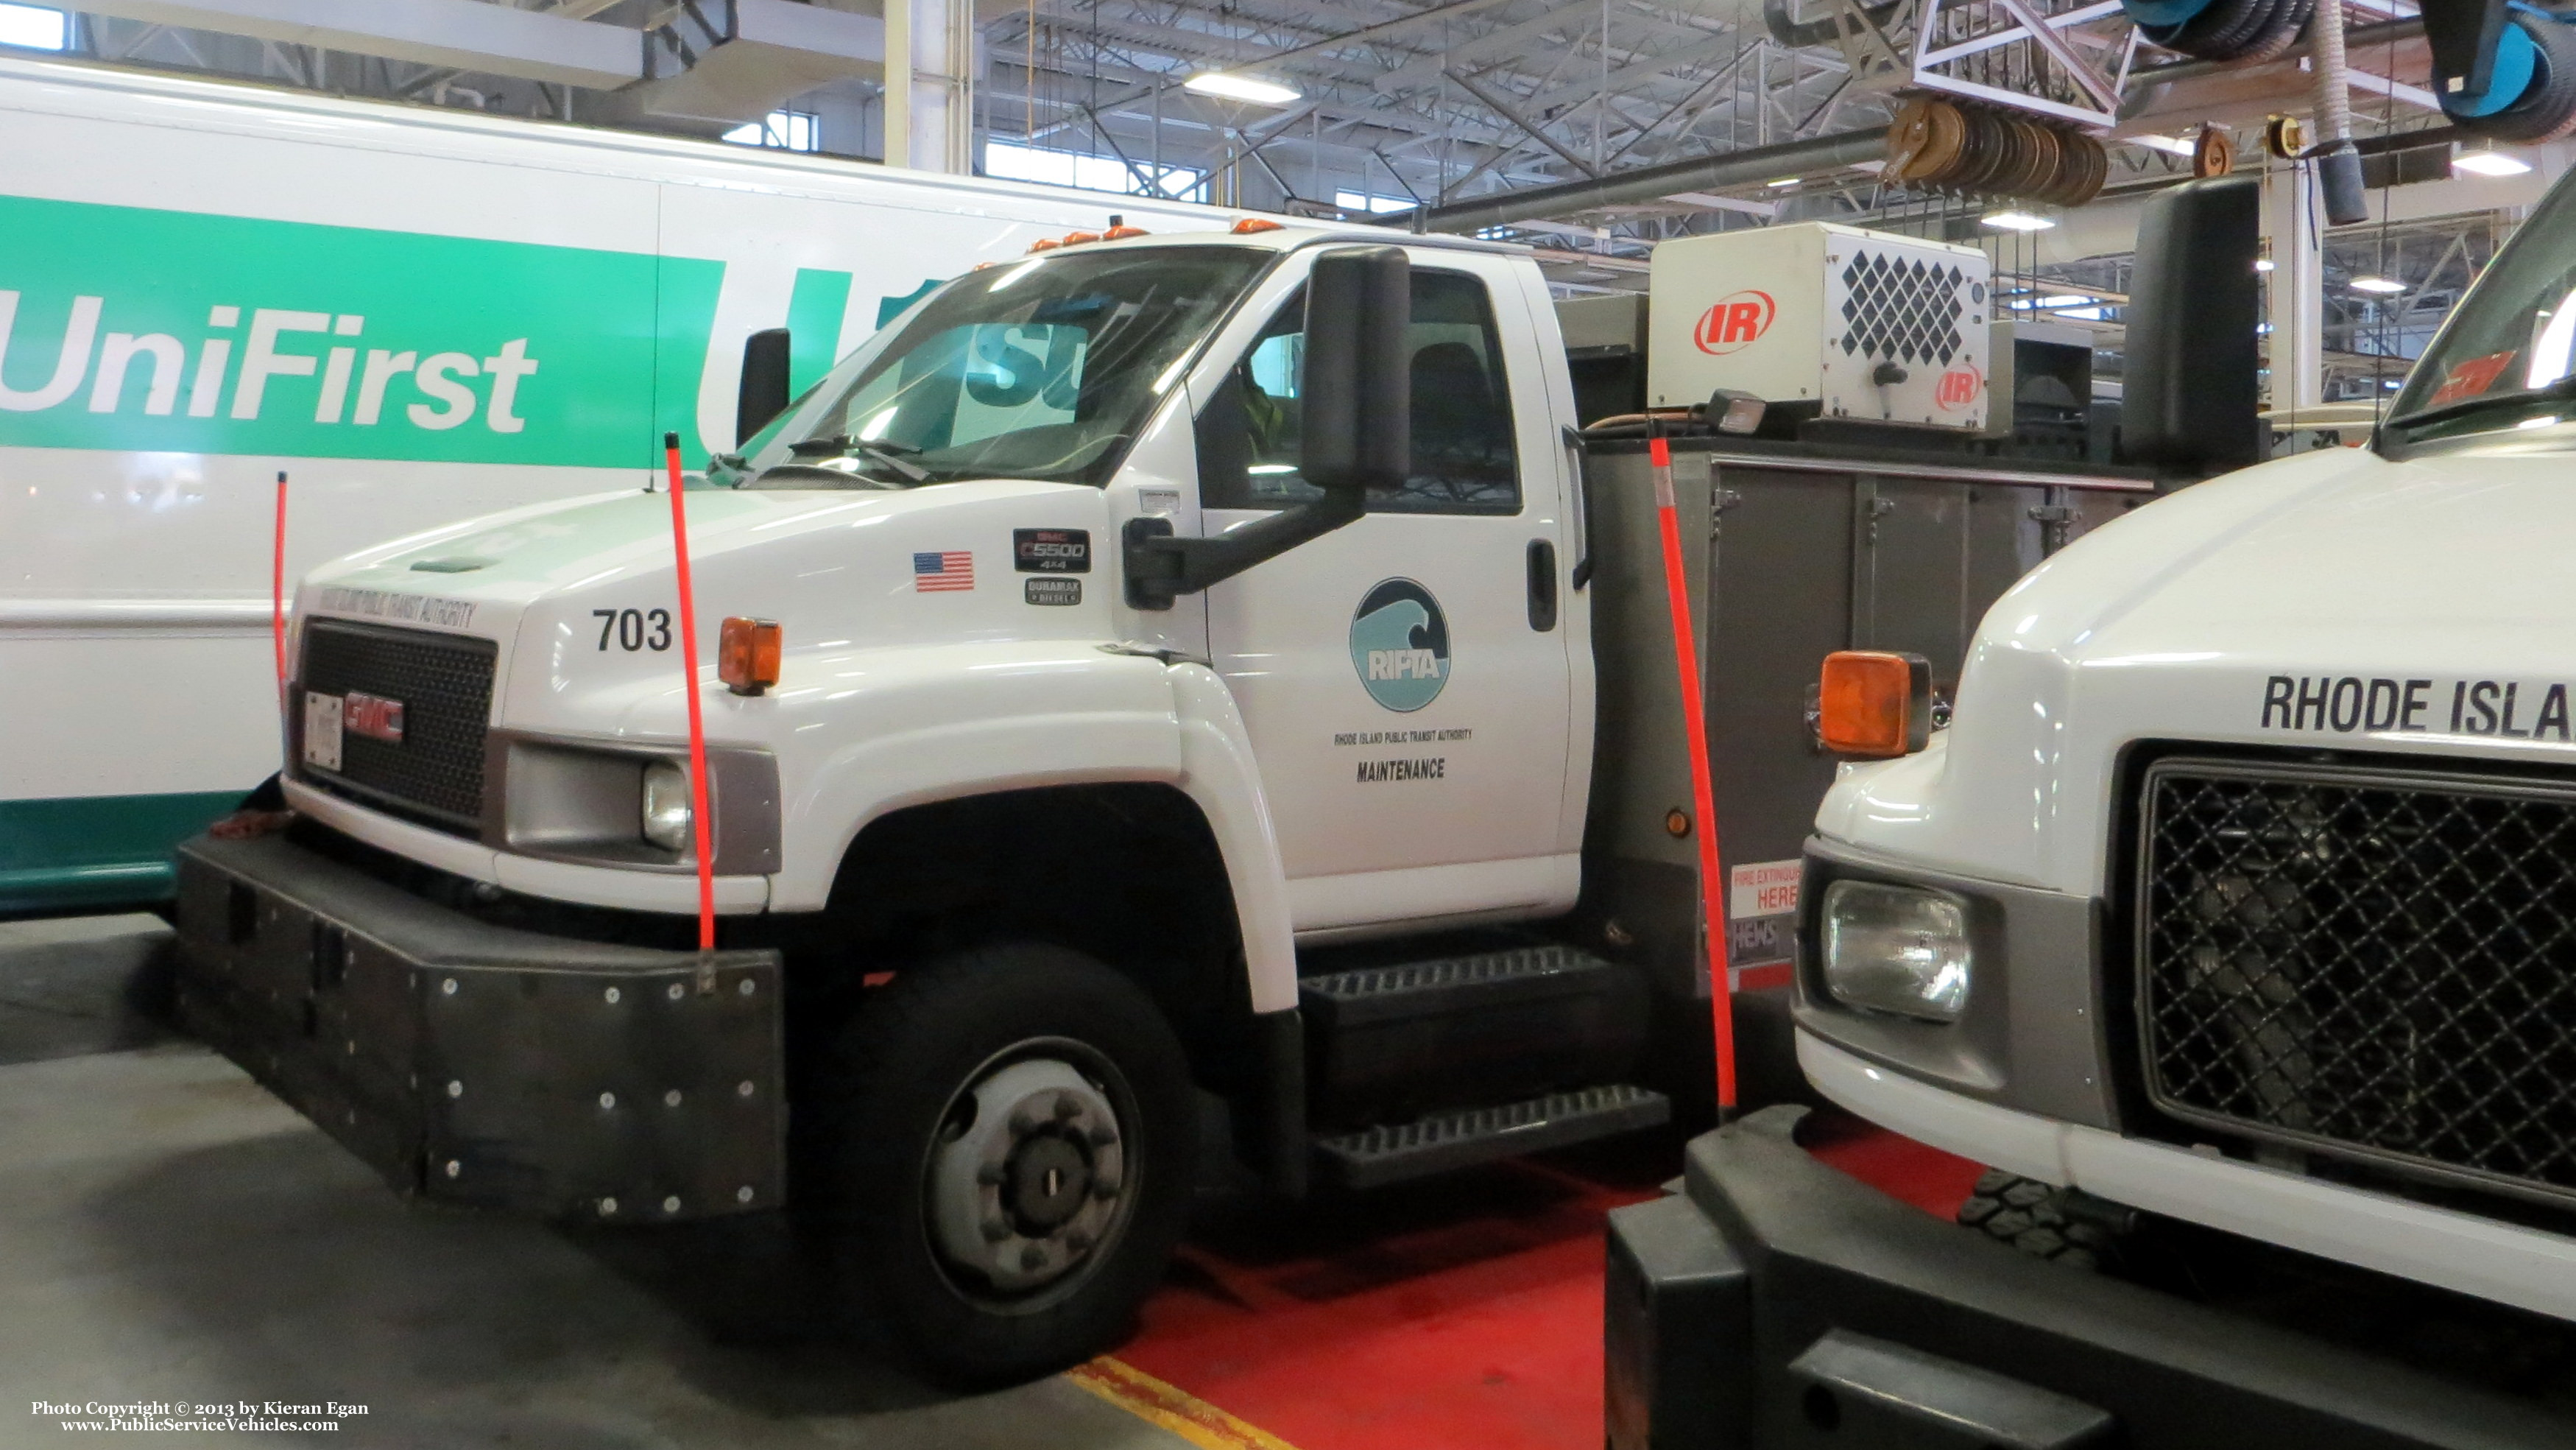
(2372, 964)
(444, 681)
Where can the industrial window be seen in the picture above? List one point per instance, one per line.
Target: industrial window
(1091, 173)
(34, 27)
(1371, 201)
(1463, 456)
(780, 131)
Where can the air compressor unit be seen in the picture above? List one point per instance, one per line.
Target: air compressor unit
(1853, 323)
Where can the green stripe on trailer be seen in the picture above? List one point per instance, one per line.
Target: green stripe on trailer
(98, 850)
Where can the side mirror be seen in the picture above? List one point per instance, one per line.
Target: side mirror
(1355, 398)
(1356, 393)
(763, 395)
(2188, 401)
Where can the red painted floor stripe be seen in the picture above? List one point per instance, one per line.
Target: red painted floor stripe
(1465, 1312)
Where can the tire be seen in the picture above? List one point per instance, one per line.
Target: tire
(2033, 1217)
(2547, 108)
(997, 1159)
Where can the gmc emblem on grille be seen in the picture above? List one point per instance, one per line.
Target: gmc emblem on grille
(373, 716)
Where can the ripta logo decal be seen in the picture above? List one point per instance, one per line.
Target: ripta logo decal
(1737, 321)
(1960, 388)
(1400, 645)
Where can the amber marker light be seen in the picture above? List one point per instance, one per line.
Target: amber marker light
(747, 654)
(1874, 704)
(1252, 224)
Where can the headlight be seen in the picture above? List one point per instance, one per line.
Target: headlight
(1896, 949)
(666, 805)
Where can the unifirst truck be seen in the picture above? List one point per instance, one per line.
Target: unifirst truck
(2233, 919)
(419, 314)
(1176, 705)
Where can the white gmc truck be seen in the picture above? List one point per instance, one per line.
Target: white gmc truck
(2232, 918)
(1165, 718)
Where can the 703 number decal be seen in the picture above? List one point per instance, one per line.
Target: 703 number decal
(635, 629)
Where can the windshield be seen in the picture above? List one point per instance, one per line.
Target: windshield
(2505, 359)
(1045, 369)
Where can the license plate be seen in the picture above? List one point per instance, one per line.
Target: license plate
(322, 731)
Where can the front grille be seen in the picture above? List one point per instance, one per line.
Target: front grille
(444, 681)
(2376, 964)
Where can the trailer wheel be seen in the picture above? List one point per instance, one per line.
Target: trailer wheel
(999, 1158)
(2032, 1216)
(2545, 108)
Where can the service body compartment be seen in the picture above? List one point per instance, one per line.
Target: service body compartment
(1791, 551)
(484, 1065)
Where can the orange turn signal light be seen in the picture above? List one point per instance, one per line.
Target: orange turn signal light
(1251, 224)
(747, 654)
(1874, 704)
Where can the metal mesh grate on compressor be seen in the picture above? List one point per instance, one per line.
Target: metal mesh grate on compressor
(1901, 308)
(2377, 964)
(444, 682)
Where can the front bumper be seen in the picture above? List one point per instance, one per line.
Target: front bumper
(1777, 1302)
(484, 1065)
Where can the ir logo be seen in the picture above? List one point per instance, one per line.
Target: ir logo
(1737, 321)
(1959, 389)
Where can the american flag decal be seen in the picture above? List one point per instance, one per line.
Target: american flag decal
(934, 573)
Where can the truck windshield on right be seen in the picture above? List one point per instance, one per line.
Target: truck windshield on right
(2232, 920)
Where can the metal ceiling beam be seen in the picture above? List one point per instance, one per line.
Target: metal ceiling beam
(1648, 183)
(1503, 108)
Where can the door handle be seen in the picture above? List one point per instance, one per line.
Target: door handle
(1542, 585)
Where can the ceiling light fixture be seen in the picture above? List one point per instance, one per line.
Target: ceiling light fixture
(2018, 221)
(2172, 144)
(2376, 284)
(1783, 181)
(2489, 163)
(2262, 264)
(1239, 88)
(2063, 299)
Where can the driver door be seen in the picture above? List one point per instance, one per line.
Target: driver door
(1405, 679)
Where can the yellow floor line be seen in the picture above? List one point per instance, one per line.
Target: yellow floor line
(1176, 1410)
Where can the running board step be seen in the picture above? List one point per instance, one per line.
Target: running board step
(1400, 1042)
(1467, 1136)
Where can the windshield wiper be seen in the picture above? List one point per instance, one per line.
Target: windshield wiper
(885, 455)
(2560, 391)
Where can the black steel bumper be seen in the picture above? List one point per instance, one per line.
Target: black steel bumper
(1776, 1302)
(481, 1065)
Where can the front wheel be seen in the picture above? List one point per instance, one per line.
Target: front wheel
(1000, 1152)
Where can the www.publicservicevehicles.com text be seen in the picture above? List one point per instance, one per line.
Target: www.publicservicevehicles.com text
(243, 1416)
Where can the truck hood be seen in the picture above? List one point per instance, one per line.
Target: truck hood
(582, 596)
(2333, 600)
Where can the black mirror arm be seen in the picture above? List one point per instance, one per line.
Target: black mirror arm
(1160, 568)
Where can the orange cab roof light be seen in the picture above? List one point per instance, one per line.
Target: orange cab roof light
(1045, 244)
(1874, 704)
(1247, 226)
(747, 654)
(1075, 239)
(1121, 232)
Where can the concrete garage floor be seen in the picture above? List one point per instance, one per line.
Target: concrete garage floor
(169, 1231)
